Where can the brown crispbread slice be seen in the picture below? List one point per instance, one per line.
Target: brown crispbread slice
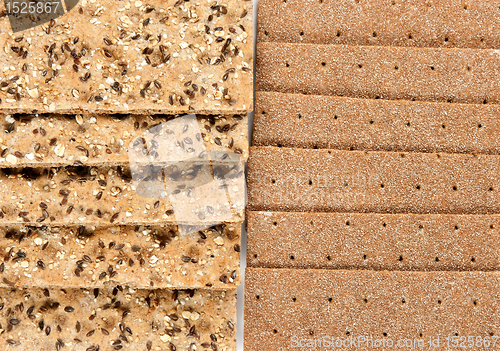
(425, 74)
(117, 318)
(312, 121)
(283, 305)
(136, 256)
(283, 179)
(55, 140)
(132, 57)
(405, 242)
(104, 195)
(444, 23)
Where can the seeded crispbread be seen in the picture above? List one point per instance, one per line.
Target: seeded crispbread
(117, 318)
(425, 74)
(137, 256)
(311, 304)
(103, 195)
(56, 140)
(373, 241)
(444, 23)
(132, 57)
(283, 179)
(312, 121)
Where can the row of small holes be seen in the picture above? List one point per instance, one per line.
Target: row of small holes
(385, 224)
(273, 181)
(400, 258)
(396, 67)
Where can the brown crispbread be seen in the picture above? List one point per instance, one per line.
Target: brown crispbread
(55, 140)
(283, 179)
(137, 256)
(132, 57)
(283, 307)
(104, 195)
(396, 242)
(117, 318)
(444, 23)
(312, 121)
(425, 74)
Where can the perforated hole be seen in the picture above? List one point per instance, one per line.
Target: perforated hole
(360, 65)
(432, 68)
(396, 67)
(364, 257)
(439, 302)
(323, 64)
(301, 33)
(330, 299)
(310, 182)
(454, 188)
(287, 64)
(371, 122)
(365, 300)
(492, 226)
(275, 331)
(437, 259)
(338, 34)
(374, 34)
(299, 115)
(292, 257)
(446, 39)
(384, 334)
(335, 117)
(485, 101)
(311, 332)
(474, 303)
(255, 256)
(273, 181)
(294, 299)
(443, 126)
(257, 297)
(266, 33)
(328, 258)
(382, 186)
(410, 36)
(407, 124)
(275, 223)
(384, 224)
(403, 301)
(347, 223)
(418, 187)
(490, 189)
(473, 259)
(400, 259)
(468, 68)
(480, 125)
(456, 227)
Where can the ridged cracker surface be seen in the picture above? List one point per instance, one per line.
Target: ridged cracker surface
(133, 57)
(290, 309)
(284, 179)
(104, 195)
(426, 74)
(117, 318)
(396, 242)
(445, 23)
(136, 256)
(55, 140)
(329, 122)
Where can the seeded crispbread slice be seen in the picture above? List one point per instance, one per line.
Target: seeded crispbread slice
(283, 179)
(373, 241)
(426, 74)
(381, 22)
(283, 305)
(54, 140)
(91, 195)
(136, 256)
(117, 318)
(312, 121)
(132, 57)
